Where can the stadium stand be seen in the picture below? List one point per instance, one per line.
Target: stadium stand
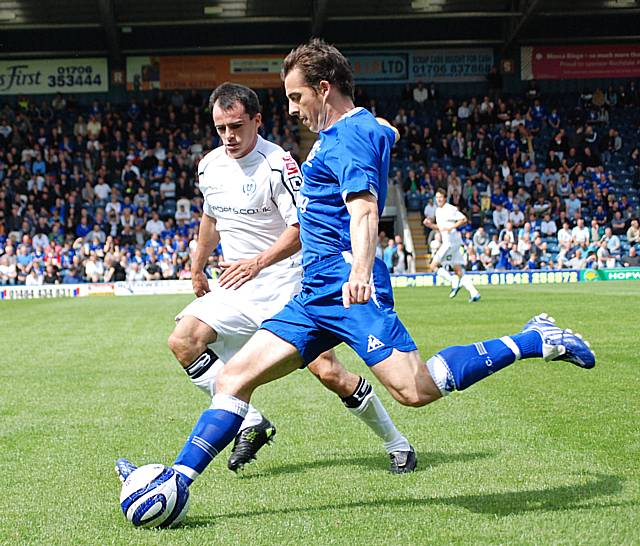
(106, 192)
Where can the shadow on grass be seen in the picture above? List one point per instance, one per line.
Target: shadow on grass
(552, 499)
(372, 462)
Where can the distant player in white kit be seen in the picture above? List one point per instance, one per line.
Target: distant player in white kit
(249, 187)
(448, 220)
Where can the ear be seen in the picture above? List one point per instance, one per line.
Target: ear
(324, 87)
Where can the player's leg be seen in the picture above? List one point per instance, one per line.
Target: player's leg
(359, 398)
(264, 358)
(213, 323)
(465, 280)
(189, 342)
(416, 383)
(440, 264)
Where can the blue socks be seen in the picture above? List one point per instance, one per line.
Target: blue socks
(529, 344)
(215, 429)
(468, 364)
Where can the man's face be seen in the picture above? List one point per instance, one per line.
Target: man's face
(440, 199)
(305, 102)
(237, 131)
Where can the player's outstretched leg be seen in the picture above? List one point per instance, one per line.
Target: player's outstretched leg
(459, 367)
(359, 398)
(265, 357)
(189, 343)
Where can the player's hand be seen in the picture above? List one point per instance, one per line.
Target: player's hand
(199, 283)
(235, 274)
(355, 292)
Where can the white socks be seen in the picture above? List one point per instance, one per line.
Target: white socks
(468, 285)
(375, 416)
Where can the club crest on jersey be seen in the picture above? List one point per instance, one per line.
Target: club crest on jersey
(249, 188)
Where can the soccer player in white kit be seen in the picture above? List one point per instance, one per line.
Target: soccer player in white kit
(450, 254)
(249, 187)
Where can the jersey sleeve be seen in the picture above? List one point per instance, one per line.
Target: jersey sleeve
(458, 215)
(285, 189)
(355, 159)
(202, 186)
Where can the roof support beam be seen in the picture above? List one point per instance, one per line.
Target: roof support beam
(319, 17)
(527, 7)
(108, 19)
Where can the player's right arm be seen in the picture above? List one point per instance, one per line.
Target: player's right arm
(208, 239)
(363, 209)
(429, 223)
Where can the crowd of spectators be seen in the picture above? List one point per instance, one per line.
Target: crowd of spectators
(105, 192)
(108, 193)
(546, 181)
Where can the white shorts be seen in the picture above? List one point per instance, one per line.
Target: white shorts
(235, 315)
(449, 255)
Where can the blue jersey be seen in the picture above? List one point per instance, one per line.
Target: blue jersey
(350, 157)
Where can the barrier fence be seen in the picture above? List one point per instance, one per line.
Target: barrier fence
(484, 278)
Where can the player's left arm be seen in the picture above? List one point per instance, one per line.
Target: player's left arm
(235, 274)
(461, 220)
(363, 209)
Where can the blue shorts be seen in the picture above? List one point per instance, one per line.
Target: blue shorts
(316, 321)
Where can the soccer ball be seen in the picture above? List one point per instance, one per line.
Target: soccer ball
(154, 496)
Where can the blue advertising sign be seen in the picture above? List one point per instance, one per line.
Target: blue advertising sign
(457, 65)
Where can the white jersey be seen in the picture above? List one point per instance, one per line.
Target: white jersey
(446, 217)
(253, 200)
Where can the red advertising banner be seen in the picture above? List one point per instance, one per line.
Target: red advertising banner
(202, 72)
(580, 61)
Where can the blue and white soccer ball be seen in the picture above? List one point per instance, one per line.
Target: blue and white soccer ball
(154, 495)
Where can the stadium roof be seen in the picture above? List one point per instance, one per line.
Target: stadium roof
(123, 27)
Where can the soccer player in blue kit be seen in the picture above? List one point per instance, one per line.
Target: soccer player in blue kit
(346, 295)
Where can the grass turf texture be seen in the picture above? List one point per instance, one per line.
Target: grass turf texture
(541, 453)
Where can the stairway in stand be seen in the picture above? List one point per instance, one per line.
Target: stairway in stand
(421, 250)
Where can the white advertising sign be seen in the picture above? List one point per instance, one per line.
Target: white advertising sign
(41, 76)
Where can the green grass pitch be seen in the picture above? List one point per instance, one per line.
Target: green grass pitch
(541, 453)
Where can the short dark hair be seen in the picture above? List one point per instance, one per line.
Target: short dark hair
(227, 94)
(319, 61)
(442, 191)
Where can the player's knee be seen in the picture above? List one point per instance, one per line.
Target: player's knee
(330, 373)
(331, 377)
(412, 398)
(185, 348)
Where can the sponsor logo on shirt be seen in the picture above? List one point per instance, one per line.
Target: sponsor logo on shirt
(237, 210)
